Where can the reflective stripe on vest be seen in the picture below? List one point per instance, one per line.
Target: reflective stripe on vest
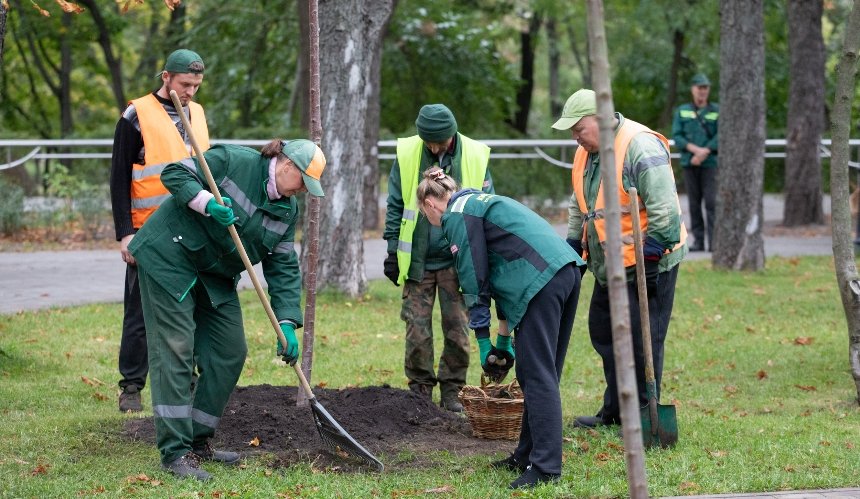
(474, 157)
(623, 137)
(162, 145)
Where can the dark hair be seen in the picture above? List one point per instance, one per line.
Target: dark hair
(435, 184)
(273, 148)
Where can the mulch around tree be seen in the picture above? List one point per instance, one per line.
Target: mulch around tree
(399, 427)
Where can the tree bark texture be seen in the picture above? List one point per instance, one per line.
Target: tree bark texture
(672, 90)
(554, 58)
(2, 30)
(622, 342)
(843, 248)
(350, 38)
(738, 242)
(528, 40)
(805, 114)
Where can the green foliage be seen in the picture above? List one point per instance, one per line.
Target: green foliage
(11, 208)
(756, 364)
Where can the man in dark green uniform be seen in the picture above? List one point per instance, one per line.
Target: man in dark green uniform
(189, 267)
(418, 257)
(694, 130)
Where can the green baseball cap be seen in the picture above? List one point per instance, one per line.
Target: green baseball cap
(700, 80)
(582, 103)
(184, 61)
(309, 159)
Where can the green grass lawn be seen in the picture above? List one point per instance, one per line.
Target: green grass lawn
(756, 364)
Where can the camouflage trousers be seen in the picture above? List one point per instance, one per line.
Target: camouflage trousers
(417, 312)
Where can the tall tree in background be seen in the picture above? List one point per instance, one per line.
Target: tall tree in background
(805, 114)
(843, 248)
(528, 45)
(3, 11)
(738, 242)
(350, 39)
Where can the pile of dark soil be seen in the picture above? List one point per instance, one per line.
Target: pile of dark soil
(398, 426)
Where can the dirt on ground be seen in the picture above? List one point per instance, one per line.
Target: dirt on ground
(399, 427)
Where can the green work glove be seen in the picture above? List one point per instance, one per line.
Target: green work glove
(291, 355)
(504, 343)
(222, 214)
(484, 347)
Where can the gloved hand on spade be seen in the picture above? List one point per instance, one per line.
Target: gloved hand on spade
(291, 354)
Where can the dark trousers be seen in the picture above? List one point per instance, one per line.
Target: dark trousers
(701, 185)
(661, 297)
(541, 340)
(133, 362)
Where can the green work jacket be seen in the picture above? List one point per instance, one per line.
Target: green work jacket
(179, 246)
(503, 251)
(697, 126)
(646, 167)
(429, 249)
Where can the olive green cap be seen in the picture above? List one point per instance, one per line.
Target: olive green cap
(582, 103)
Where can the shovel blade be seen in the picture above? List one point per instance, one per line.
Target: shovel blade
(337, 439)
(666, 432)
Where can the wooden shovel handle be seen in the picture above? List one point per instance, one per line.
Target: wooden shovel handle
(235, 235)
(644, 317)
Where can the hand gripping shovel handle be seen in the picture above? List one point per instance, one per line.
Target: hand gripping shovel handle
(644, 317)
(235, 235)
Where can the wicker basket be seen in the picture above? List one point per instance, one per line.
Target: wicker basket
(495, 411)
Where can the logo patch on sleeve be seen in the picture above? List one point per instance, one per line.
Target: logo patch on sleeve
(454, 249)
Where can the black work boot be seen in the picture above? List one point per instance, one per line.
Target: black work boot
(187, 466)
(533, 477)
(205, 452)
(451, 402)
(129, 400)
(424, 390)
(510, 463)
(600, 419)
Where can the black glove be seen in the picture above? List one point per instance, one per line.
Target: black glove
(390, 268)
(497, 365)
(577, 246)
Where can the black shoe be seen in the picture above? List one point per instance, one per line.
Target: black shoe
(532, 477)
(129, 400)
(510, 463)
(450, 402)
(697, 247)
(187, 466)
(595, 421)
(207, 453)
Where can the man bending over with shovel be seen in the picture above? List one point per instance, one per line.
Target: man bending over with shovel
(189, 267)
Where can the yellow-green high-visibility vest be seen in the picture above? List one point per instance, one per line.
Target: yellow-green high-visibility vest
(474, 157)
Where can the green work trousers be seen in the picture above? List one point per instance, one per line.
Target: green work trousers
(179, 333)
(417, 312)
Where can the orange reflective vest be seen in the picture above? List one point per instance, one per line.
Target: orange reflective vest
(162, 145)
(623, 136)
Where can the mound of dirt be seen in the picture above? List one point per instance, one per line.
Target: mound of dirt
(386, 421)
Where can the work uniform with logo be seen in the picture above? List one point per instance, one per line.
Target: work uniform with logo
(148, 136)
(425, 263)
(506, 253)
(189, 269)
(643, 162)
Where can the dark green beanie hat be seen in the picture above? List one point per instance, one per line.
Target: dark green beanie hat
(435, 123)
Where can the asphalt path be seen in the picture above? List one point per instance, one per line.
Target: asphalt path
(44, 279)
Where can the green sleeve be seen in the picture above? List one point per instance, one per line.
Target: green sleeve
(574, 219)
(284, 279)
(678, 131)
(454, 228)
(394, 209)
(184, 179)
(651, 173)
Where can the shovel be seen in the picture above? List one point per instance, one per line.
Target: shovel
(659, 422)
(332, 433)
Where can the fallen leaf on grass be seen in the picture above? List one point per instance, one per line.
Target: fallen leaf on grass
(255, 442)
(730, 389)
(761, 374)
(445, 489)
(41, 469)
(684, 486)
(92, 382)
(717, 453)
(789, 468)
(98, 490)
(100, 396)
(803, 340)
(602, 456)
(824, 443)
(806, 388)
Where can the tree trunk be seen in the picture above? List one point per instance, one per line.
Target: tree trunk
(555, 102)
(2, 29)
(622, 342)
(738, 242)
(843, 249)
(350, 38)
(370, 191)
(672, 91)
(520, 120)
(114, 63)
(579, 55)
(805, 114)
(303, 83)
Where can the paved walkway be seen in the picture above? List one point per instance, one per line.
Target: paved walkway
(43, 279)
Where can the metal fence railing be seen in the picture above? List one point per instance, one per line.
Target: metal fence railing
(17, 152)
